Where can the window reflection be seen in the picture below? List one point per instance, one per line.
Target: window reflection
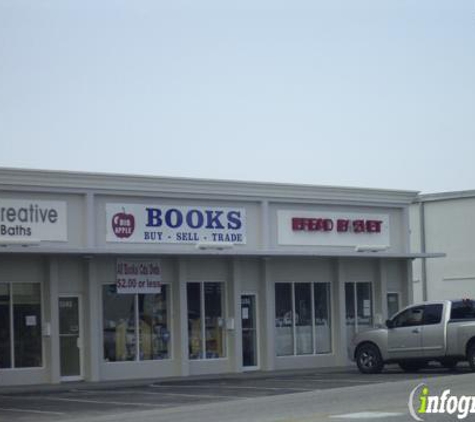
(153, 326)
(194, 320)
(284, 337)
(136, 326)
(27, 324)
(206, 305)
(214, 320)
(23, 302)
(322, 318)
(302, 318)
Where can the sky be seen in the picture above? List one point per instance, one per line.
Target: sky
(363, 93)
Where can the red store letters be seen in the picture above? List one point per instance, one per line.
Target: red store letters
(341, 225)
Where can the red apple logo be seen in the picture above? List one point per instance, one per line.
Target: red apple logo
(123, 224)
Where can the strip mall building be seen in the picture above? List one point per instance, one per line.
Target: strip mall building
(108, 277)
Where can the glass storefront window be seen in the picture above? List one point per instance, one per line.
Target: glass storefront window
(119, 324)
(23, 331)
(206, 323)
(193, 293)
(153, 326)
(284, 336)
(136, 326)
(322, 318)
(350, 310)
(214, 320)
(302, 318)
(27, 324)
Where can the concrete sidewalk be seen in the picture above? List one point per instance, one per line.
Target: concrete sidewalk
(350, 370)
(105, 385)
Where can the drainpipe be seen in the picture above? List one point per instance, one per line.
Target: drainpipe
(422, 224)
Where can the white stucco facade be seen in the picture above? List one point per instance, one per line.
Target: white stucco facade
(444, 222)
(252, 276)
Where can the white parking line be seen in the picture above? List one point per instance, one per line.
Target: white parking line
(344, 380)
(140, 393)
(117, 403)
(206, 396)
(231, 387)
(41, 412)
(367, 415)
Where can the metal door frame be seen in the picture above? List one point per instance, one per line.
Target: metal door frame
(79, 377)
(394, 292)
(256, 319)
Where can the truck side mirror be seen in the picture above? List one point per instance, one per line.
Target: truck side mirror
(389, 323)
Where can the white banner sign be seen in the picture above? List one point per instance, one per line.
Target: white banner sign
(315, 228)
(137, 223)
(31, 219)
(138, 276)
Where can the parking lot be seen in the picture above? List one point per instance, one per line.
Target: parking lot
(83, 400)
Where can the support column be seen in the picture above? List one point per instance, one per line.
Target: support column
(268, 354)
(410, 288)
(90, 220)
(236, 333)
(383, 277)
(265, 226)
(423, 240)
(54, 350)
(182, 352)
(92, 308)
(339, 302)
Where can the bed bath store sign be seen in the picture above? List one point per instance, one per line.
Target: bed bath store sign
(31, 219)
(137, 223)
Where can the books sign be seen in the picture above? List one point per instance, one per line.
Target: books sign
(160, 224)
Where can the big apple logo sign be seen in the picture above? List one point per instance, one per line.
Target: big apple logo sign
(137, 223)
(123, 224)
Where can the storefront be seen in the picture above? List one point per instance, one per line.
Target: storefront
(107, 277)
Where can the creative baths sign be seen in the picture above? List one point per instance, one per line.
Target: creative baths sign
(137, 223)
(32, 219)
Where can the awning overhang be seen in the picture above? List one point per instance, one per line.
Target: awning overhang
(228, 252)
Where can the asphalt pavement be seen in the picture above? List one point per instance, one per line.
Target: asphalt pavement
(168, 399)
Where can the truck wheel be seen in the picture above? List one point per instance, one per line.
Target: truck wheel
(411, 366)
(368, 359)
(471, 357)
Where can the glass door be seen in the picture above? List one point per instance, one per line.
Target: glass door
(393, 303)
(70, 340)
(359, 308)
(249, 332)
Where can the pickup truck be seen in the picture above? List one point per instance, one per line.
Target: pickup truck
(442, 331)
